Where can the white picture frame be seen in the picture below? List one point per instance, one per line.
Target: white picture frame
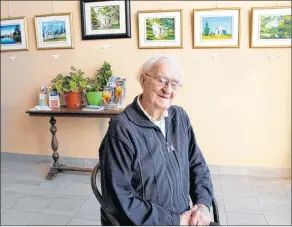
(160, 29)
(54, 31)
(264, 32)
(14, 34)
(216, 28)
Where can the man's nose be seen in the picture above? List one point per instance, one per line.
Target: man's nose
(167, 88)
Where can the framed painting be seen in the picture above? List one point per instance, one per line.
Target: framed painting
(14, 35)
(105, 19)
(54, 31)
(270, 27)
(216, 28)
(160, 29)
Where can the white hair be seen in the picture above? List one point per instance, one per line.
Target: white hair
(148, 65)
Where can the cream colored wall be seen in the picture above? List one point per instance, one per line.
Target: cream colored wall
(239, 103)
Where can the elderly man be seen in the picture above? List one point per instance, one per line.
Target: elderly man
(150, 161)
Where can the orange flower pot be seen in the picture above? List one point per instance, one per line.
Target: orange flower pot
(73, 100)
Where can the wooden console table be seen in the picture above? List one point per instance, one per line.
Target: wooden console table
(65, 112)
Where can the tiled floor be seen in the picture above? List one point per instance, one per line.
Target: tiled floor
(28, 199)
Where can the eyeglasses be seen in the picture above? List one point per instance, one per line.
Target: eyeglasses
(164, 81)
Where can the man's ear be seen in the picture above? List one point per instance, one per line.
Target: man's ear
(142, 80)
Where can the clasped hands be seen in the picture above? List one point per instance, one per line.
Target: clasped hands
(194, 216)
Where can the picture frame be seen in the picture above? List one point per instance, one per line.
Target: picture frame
(216, 28)
(269, 27)
(14, 34)
(105, 19)
(160, 29)
(54, 31)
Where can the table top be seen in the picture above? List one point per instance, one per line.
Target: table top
(66, 112)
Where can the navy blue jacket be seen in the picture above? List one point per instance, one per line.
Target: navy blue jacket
(147, 178)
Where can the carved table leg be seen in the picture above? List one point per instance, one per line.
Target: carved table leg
(54, 144)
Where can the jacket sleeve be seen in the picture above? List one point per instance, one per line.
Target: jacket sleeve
(116, 159)
(201, 188)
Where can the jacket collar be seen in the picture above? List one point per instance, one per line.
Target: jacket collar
(136, 115)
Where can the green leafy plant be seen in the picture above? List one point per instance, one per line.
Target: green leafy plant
(75, 82)
(103, 75)
(91, 85)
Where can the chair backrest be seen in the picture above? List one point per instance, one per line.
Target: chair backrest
(113, 220)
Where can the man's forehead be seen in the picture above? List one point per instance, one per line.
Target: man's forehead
(168, 69)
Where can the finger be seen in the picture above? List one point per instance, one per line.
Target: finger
(194, 218)
(194, 207)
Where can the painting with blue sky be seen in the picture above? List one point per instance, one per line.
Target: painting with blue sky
(54, 31)
(10, 34)
(216, 28)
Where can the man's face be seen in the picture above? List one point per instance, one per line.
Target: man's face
(161, 84)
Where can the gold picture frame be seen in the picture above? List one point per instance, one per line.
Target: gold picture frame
(216, 37)
(258, 40)
(54, 31)
(15, 34)
(166, 38)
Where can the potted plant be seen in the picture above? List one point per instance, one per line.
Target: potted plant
(93, 96)
(71, 86)
(95, 87)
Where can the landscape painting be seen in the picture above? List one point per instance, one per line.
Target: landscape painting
(10, 34)
(54, 31)
(270, 27)
(105, 17)
(275, 27)
(216, 28)
(160, 29)
(13, 32)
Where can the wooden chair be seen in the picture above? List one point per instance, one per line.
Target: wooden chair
(114, 221)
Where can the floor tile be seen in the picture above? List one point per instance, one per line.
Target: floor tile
(15, 217)
(34, 203)
(76, 191)
(237, 191)
(90, 209)
(8, 199)
(63, 207)
(2, 210)
(275, 207)
(19, 187)
(49, 219)
(242, 206)
(245, 219)
(276, 220)
(52, 188)
(273, 195)
(267, 185)
(83, 221)
(240, 181)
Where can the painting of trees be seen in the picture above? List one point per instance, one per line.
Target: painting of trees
(275, 27)
(206, 29)
(102, 13)
(160, 29)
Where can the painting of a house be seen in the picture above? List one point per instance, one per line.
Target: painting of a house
(105, 17)
(216, 28)
(220, 31)
(160, 29)
(54, 31)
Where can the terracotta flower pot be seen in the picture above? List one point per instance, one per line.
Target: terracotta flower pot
(73, 100)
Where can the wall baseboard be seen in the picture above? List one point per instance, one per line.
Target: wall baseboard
(214, 169)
